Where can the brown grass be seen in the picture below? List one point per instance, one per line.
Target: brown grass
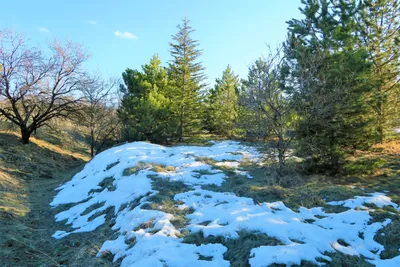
(28, 176)
(51, 147)
(390, 147)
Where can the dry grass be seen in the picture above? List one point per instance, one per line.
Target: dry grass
(46, 145)
(28, 176)
(20, 163)
(135, 169)
(59, 150)
(163, 168)
(390, 147)
(13, 196)
(238, 253)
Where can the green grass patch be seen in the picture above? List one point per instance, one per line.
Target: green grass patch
(364, 166)
(109, 166)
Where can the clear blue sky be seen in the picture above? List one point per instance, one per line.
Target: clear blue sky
(230, 31)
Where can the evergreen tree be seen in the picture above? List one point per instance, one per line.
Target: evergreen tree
(146, 109)
(187, 78)
(224, 103)
(252, 119)
(328, 80)
(379, 32)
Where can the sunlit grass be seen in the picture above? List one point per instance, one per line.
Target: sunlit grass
(13, 196)
(51, 147)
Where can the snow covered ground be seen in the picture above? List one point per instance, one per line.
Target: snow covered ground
(304, 235)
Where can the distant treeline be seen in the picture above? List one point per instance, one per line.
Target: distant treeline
(331, 88)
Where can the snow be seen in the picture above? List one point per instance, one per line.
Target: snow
(229, 164)
(378, 199)
(289, 255)
(160, 250)
(394, 262)
(230, 214)
(83, 185)
(306, 234)
(162, 247)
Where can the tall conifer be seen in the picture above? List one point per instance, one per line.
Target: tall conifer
(187, 77)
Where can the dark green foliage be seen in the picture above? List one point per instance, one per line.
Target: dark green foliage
(252, 119)
(187, 76)
(223, 104)
(326, 73)
(146, 108)
(379, 31)
(364, 166)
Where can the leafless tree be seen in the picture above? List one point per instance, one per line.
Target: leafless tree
(265, 94)
(98, 111)
(35, 88)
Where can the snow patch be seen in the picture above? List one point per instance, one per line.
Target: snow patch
(318, 231)
(149, 238)
(378, 199)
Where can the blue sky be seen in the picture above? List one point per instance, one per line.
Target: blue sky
(121, 34)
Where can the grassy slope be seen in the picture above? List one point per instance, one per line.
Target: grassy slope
(29, 174)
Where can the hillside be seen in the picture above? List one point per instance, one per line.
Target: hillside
(28, 176)
(213, 205)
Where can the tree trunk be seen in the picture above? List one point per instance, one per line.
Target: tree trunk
(25, 135)
(381, 122)
(180, 131)
(380, 134)
(334, 159)
(92, 143)
(281, 154)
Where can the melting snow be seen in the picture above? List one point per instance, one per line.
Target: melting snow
(304, 235)
(379, 199)
(229, 214)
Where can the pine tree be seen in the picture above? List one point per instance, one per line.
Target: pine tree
(187, 78)
(252, 119)
(146, 109)
(224, 103)
(328, 81)
(379, 32)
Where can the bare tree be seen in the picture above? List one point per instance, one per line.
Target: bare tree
(35, 88)
(98, 112)
(265, 94)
